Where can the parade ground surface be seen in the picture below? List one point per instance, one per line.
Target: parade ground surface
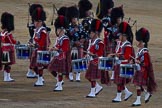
(22, 93)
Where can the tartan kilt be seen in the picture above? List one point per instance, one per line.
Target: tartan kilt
(105, 78)
(117, 78)
(138, 79)
(57, 65)
(93, 72)
(11, 55)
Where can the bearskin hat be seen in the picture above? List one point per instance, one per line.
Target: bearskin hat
(116, 13)
(7, 21)
(61, 22)
(84, 6)
(39, 15)
(62, 11)
(143, 35)
(125, 28)
(72, 12)
(103, 7)
(33, 7)
(96, 25)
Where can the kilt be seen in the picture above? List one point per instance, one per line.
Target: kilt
(117, 78)
(105, 79)
(139, 79)
(93, 72)
(11, 51)
(57, 65)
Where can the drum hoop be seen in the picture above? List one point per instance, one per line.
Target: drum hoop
(78, 60)
(46, 52)
(106, 58)
(127, 65)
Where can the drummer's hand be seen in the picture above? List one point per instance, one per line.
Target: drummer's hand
(131, 61)
(110, 55)
(137, 61)
(77, 43)
(31, 44)
(48, 49)
(51, 49)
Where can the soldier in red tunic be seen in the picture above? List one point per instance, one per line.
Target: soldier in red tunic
(7, 44)
(31, 28)
(124, 52)
(61, 63)
(95, 50)
(40, 42)
(144, 76)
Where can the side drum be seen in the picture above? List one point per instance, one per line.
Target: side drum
(127, 70)
(79, 65)
(106, 63)
(23, 51)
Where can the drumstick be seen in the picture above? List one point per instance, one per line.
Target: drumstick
(132, 57)
(114, 54)
(89, 53)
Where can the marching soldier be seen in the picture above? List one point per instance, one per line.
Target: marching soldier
(40, 42)
(75, 31)
(95, 50)
(31, 28)
(7, 44)
(124, 52)
(61, 63)
(144, 77)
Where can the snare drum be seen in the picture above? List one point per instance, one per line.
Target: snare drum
(127, 70)
(105, 63)
(43, 57)
(5, 57)
(79, 65)
(22, 51)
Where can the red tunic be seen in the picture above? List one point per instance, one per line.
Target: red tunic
(145, 76)
(95, 47)
(41, 38)
(8, 45)
(41, 41)
(62, 62)
(126, 51)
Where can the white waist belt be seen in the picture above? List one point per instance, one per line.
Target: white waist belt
(6, 44)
